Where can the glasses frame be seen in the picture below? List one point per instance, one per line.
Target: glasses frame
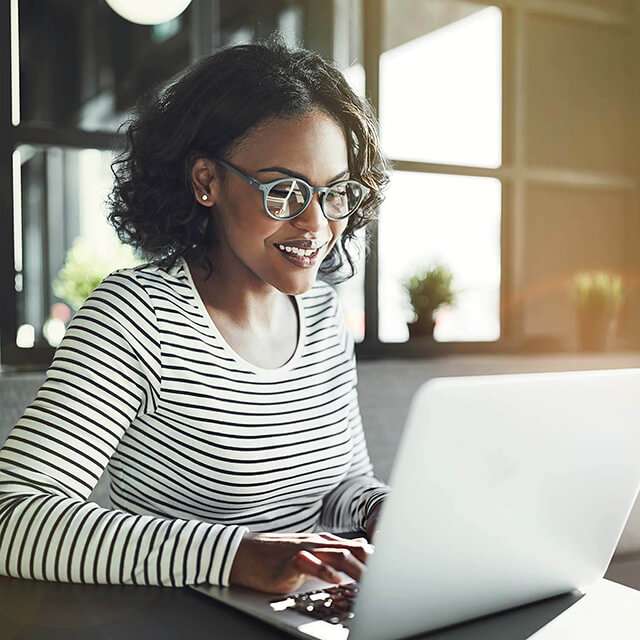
(265, 187)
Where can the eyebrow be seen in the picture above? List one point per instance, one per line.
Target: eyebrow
(300, 175)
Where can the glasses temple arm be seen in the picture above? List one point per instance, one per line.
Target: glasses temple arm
(241, 174)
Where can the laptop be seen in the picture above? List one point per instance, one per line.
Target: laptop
(505, 490)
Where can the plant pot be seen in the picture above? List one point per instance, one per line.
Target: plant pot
(594, 329)
(421, 329)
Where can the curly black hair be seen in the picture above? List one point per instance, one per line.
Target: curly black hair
(205, 111)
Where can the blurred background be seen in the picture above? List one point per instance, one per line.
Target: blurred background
(512, 220)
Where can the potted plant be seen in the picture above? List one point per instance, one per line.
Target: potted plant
(597, 296)
(428, 290)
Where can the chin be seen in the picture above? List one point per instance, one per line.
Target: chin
(295, 290)
(294, 280)
(295, 284)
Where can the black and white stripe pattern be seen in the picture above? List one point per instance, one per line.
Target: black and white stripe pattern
(201, 445)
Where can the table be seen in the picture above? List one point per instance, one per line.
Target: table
(36, 610)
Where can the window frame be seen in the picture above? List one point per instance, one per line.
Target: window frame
(371, 347)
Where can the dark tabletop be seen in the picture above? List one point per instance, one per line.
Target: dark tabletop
(36, 610)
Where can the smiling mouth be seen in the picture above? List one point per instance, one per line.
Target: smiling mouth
(298, 259)
(298, 251)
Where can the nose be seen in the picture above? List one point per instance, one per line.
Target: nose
(312, 217)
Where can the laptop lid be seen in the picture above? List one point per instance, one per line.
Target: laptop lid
(505, 489)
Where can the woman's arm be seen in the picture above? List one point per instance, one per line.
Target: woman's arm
(349, 506)
(105, 372)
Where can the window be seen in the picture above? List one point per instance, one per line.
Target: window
(440, 107)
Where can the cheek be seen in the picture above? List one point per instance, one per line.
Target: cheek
(250, 227)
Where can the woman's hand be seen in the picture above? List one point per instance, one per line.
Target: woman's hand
(281, 562)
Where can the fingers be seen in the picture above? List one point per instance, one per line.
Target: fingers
(335, 553)
(330, 536)
(355, 542)
(342, 560)
(307, 563)
(326, 563)
(360, 547)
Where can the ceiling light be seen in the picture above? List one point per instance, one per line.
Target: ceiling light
(148, 11)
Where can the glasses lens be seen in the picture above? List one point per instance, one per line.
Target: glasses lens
(287, 198)
(343, 199)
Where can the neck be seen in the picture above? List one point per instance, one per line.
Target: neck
(238, 298)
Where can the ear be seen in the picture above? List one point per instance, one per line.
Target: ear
(205, 181)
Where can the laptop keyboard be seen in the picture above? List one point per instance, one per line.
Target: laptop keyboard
(333, 604)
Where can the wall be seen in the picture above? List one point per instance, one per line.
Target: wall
(576, 159)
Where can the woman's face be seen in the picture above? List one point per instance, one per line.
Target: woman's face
(313, 147)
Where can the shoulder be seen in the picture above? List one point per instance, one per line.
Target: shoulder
(170, 284)
(123, 289)
(120, 304)
(115, 322)
(321, 290)
(321, 300)
(320, 286)
(325, 309)
(335, 313)
(144, 283)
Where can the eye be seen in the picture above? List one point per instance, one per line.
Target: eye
(287, 190)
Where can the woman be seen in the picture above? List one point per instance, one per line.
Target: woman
(218, 380)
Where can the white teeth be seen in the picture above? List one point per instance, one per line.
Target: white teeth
(296, 250)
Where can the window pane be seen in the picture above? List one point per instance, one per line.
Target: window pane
(454, 220)
(60, 215)
(440, 82)
(83, 66)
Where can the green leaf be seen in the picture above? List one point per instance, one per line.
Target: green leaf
(429, 289)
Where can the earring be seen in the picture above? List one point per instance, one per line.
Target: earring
(205, 196)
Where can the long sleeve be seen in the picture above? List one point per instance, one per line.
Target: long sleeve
(105, 373)
(347, 507)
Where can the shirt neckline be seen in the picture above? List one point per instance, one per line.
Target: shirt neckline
(287, 366)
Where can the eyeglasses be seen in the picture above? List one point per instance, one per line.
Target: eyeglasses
(287, 198)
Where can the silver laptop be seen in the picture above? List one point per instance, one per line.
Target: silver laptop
(506, 489)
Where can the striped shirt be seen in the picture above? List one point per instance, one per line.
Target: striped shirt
(201, 445)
